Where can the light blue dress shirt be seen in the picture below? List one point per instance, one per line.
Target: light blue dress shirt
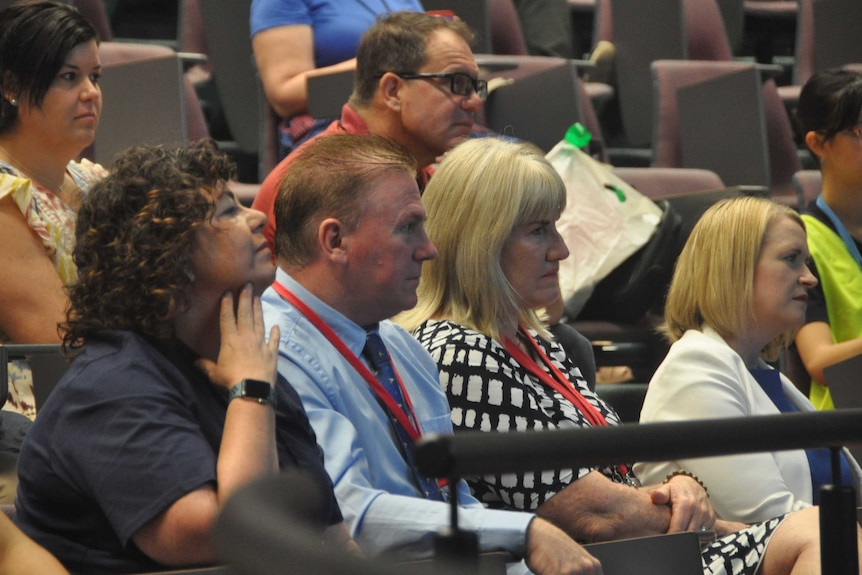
(381, 504)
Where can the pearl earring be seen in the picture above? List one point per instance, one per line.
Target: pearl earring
(13, 101)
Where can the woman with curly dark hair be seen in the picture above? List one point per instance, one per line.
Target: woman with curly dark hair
(172, 401)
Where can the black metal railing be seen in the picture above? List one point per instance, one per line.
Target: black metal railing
(477, 453)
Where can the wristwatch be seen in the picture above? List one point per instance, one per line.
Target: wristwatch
(260, 391)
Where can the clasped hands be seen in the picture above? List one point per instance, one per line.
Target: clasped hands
(689, 505)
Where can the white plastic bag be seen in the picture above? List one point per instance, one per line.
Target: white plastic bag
(605, 221)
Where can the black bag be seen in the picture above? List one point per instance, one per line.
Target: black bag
(640, 283)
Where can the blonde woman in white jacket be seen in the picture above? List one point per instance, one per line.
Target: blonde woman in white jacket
(738, 294)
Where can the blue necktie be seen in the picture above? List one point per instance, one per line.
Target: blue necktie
(378, 358)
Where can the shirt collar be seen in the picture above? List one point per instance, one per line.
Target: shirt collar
(351, 333)
(352, 122)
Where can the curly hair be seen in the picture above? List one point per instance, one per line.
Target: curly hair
(135, 234)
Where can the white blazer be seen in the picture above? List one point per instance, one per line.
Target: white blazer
(703, 378)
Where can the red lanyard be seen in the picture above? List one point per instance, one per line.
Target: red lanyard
(558, 382)
(407, 421)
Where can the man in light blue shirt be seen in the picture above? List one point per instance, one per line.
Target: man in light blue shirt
(350, 243)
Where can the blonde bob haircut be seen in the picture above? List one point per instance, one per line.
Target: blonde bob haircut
(713, 279)
(483, 189)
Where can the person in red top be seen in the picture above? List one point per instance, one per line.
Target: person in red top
(416, 84)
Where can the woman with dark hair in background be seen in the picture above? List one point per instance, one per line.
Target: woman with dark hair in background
(172, 402)
(50, 103)
(829, 117)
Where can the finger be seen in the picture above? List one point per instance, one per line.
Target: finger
(698, 519)
(586, 565)
(706, 518)
(680, 523)
(206, 366)
(227, 322)
(660, 495)
(244, 315)
(695, 523)
(682, 517)
(710, 522)
(274, 335)
(257, 311)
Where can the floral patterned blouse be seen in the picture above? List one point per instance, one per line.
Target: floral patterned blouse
(53, 221)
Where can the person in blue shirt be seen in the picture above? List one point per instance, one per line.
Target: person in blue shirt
(351, 243)
(295, 39)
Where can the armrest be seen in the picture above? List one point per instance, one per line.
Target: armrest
(191, 59)
(216, 570)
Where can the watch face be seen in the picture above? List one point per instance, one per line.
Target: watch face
(257, 389)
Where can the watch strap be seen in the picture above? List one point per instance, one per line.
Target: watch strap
(258, 390)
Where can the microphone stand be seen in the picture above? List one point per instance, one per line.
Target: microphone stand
(838, 552)
(456, 550)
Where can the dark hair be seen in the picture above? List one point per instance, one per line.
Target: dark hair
(330, 178)
(829, 103)
(36, 37)
(135, 233)
(396, 43)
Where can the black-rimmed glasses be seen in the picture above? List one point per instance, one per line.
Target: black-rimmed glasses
(459, 83)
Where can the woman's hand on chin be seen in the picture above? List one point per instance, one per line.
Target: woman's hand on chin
(244, 353)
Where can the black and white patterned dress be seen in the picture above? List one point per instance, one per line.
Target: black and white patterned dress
(488, 390)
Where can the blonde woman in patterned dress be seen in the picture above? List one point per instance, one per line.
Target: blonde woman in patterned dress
(50, 103)
(492, 207)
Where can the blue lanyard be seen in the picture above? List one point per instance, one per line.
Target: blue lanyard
(842, 231)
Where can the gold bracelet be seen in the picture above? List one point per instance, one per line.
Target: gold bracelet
(687, 474)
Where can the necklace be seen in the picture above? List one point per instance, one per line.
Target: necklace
(21, 167)
(373, 12)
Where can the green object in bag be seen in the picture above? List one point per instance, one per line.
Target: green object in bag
(578, 136)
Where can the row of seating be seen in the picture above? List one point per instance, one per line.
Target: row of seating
(663, 554)
(686, 94)
(686, 30)
(225, 38)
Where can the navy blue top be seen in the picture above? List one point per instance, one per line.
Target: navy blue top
(132, 427)
(818, 459)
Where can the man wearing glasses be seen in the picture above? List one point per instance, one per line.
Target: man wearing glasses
(416, 84)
